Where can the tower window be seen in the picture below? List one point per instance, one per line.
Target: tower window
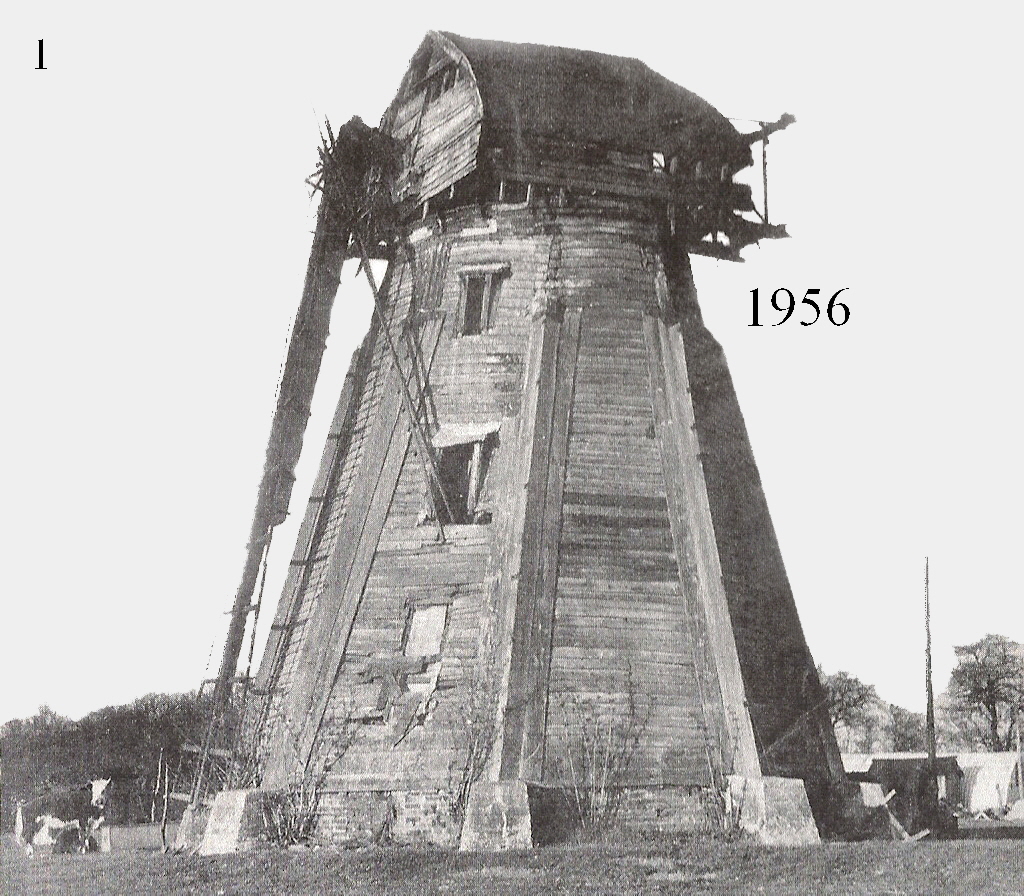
(474, 320)
(481, 288)
(463, 457)
(514, 191)
(461, 469)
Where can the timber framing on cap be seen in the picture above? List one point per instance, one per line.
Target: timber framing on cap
(503, 122)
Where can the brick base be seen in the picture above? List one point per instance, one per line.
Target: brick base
(425, 816)
(405, 816)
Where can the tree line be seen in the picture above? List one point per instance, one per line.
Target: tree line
(49, 752)
(981, 708)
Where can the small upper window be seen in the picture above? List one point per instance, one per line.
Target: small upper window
(474, 320)
(481, 288)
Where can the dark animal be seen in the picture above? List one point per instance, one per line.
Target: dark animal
(66, 821)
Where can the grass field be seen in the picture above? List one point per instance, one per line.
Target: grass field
(701, 866)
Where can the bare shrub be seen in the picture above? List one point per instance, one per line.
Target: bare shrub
(290, 815)
(601, 741)
(474, 717)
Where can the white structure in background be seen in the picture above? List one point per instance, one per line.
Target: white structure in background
(991, 781)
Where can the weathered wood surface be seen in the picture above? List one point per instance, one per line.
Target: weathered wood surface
(710, 612)
(786, 701)
(620, 630)
(316, 562)
(317, 648)
(440, 133)
(596, 584)
(525, 711)
(317, 507)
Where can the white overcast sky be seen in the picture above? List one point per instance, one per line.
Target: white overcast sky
(155, 231)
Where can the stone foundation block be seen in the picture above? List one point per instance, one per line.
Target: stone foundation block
(497, 817)
(774, 810)
(189, 834)
(424, 816)
(235, 823)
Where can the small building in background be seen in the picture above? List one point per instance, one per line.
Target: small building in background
(991, 781)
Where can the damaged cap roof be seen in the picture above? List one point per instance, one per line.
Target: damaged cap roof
(594, 98)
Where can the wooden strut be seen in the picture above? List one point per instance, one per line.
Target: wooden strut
(427, 453)
(768, 128)
(300, 372)
(247, 680)
(764, 169)
(312, 530)
(933, 784)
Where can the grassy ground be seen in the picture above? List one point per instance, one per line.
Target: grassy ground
(981, 867)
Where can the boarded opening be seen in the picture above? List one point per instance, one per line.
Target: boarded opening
(426, 628)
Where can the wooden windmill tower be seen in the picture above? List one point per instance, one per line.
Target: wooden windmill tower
(538, 515)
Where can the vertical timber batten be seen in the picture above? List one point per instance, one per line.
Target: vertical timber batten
(523, 746)
(739, 749)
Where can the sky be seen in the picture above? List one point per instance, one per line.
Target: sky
(156, 226)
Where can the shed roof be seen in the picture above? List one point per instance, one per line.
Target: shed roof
(595, 98)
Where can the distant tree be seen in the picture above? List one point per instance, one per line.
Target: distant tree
(849, 698)
(50, 752)
(986, 692)
(907, 730)
(854, 708)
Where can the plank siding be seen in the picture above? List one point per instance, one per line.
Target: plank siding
(316, 616)
(471, 379)
(606, 608)
(440, 137)
(620, 635)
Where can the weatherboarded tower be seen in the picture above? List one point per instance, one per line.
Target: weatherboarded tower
(538, 557)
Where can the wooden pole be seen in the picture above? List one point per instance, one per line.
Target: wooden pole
(1020, 759)
(295, 396)
(156, 785)
(930, 717)
(164, 845)
(764, 168)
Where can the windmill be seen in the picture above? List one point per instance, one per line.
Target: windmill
(538, 509)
